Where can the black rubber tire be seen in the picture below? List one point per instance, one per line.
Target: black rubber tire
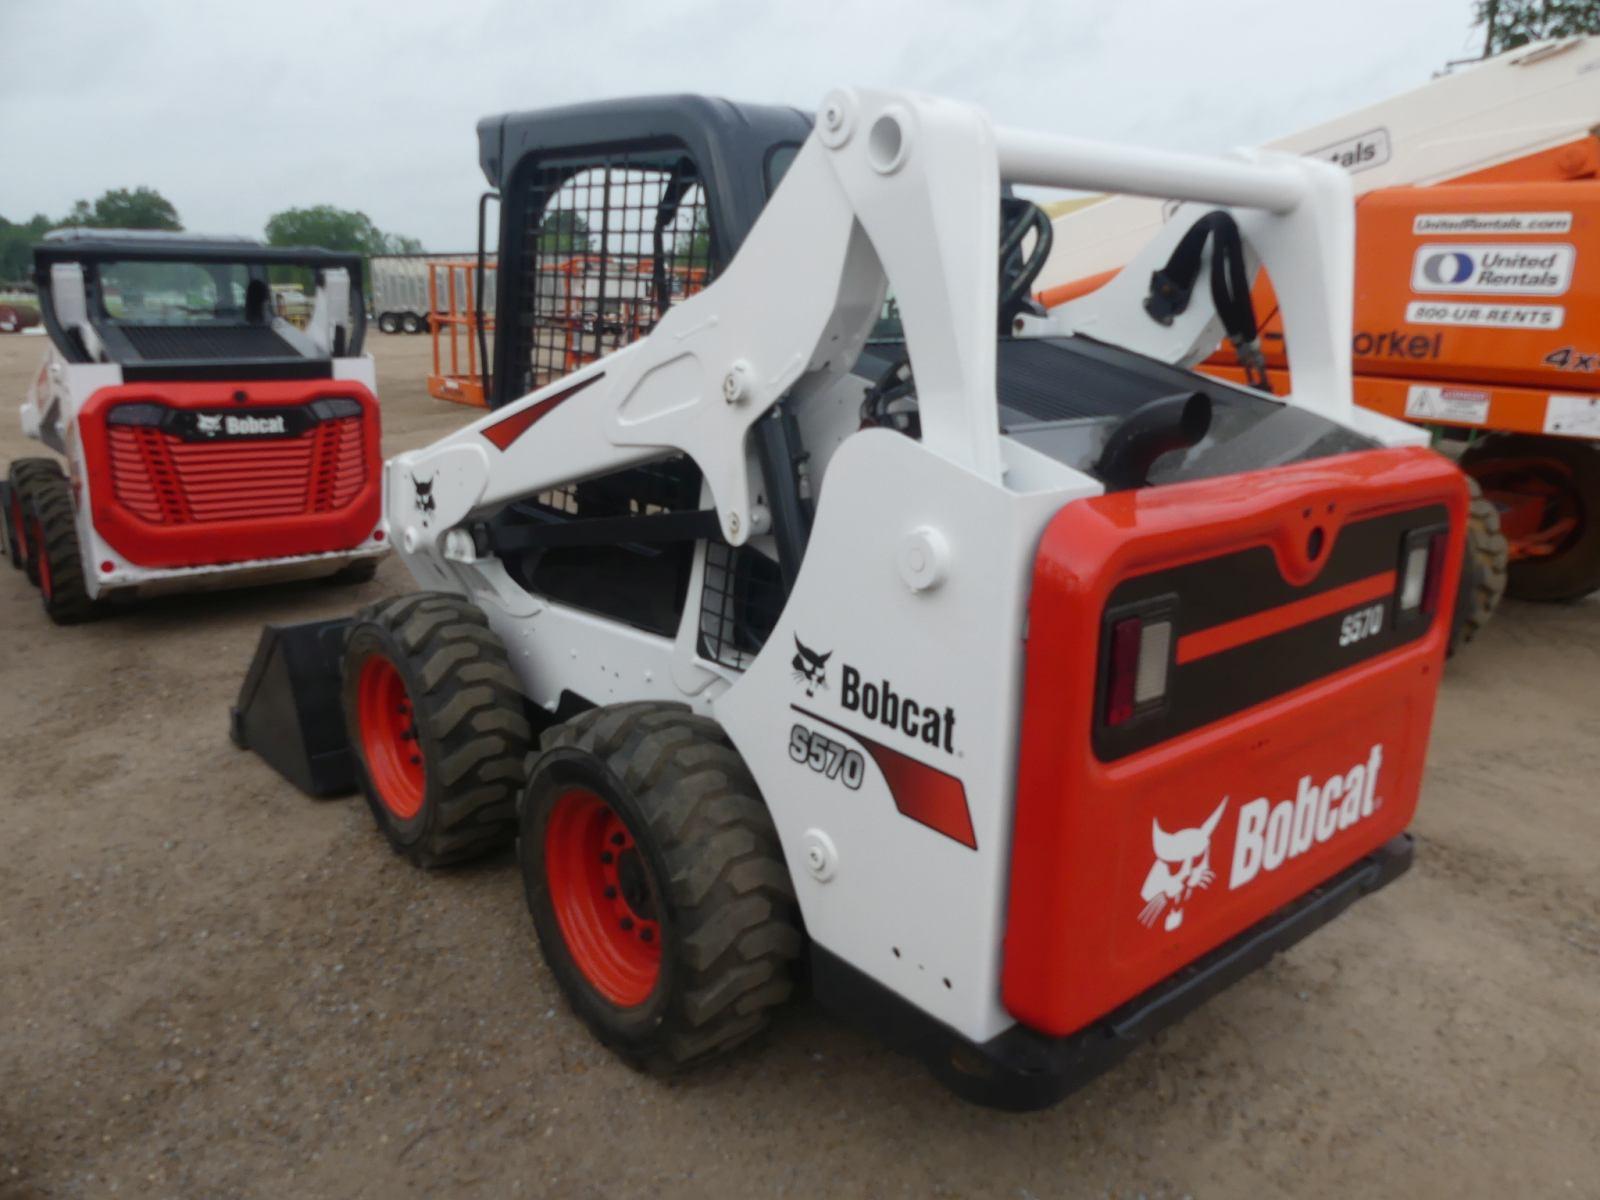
(55, 545)
(730, 928)
(1575, 571)
(388, 323)
(360, 571)
(22, 474)
(1483, 570)
(470, 726)
(412, 323)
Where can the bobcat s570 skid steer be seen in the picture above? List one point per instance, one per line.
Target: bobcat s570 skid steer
(208, 442)
(1033, 685)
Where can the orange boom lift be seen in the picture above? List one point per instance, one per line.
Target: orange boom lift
(1477, 297)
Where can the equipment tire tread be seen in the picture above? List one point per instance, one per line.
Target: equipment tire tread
(470, 723)
(68, 602)
(734, 924)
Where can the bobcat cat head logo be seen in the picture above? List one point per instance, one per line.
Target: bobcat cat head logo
(1182, 867)
(208, 425)
(810, 668)
(424, 497)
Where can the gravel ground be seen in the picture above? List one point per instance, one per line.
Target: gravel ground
(213, 987)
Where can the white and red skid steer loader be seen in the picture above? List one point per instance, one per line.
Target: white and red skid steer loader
(1033, 685)
(208, 441)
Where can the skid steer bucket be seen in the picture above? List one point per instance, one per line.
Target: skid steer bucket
(289, 711)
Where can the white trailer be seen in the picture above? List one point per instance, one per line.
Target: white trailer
(399, 289)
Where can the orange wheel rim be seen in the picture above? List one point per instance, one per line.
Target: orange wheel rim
(604, 898)
(389, 740)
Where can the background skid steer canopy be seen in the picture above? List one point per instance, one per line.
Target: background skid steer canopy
(612, 212)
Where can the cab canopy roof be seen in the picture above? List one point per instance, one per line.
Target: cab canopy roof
(80, 244)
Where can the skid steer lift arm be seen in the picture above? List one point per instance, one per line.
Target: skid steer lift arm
(884, 177)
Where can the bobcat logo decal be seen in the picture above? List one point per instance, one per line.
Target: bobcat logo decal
(208, 425)
(810, 668)
(424, 497)
(1182, 867)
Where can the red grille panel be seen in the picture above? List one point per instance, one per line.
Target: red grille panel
(164, 480)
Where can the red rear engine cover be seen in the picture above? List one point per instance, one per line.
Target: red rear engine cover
(200, 474)
(1291, 741)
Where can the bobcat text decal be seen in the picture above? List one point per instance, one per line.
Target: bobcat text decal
(1271, 834)
(880, 702)
(1268, 834)
(228, 425)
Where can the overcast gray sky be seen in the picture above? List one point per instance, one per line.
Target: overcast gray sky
(236, 110)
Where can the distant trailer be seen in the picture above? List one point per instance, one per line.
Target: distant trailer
(399, 291)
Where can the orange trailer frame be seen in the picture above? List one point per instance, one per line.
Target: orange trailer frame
(457, 318)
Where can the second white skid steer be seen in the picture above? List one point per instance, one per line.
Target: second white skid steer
(809, 593)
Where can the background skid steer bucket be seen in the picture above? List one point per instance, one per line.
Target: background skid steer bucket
(289, 711)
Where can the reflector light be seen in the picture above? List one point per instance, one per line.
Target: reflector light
(1137, 672)
(1124, 670)
(1431, 588)
(1155, 645)
(1414, 578)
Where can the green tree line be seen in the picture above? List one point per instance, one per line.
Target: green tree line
(1512, 23)
(145, 208)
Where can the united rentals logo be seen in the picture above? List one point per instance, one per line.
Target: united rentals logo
(1523, 270)
(1359, 153)
(1268, 835)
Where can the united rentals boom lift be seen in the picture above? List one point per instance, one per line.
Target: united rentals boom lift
(1476, 299)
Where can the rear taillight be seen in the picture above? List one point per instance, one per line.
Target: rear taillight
(1137, 662)
(1422, 573)
(1430, 591)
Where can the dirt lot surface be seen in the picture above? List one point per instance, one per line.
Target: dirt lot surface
(213, 987)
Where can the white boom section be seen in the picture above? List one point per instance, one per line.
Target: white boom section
(919, 546)
(1527, 100)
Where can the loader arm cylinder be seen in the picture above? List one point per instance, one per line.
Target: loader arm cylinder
(1051, 161)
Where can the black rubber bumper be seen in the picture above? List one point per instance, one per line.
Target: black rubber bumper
(1022, 1070)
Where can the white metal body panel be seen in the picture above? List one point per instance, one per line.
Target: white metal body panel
(918, 567)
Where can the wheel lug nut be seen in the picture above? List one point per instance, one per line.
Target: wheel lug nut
(606, 856)
(611, 892)
(416, 760)
(617, 839)
(627, 923)
(647, 934)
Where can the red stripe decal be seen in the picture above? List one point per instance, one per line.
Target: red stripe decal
(502, 433)
(925, 794)
(1232, 634)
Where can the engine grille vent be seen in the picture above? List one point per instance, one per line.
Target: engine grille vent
(166, 481)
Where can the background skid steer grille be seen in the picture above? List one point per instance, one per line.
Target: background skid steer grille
(166, 481)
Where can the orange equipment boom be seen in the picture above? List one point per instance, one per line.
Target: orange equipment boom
(1477, 297)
